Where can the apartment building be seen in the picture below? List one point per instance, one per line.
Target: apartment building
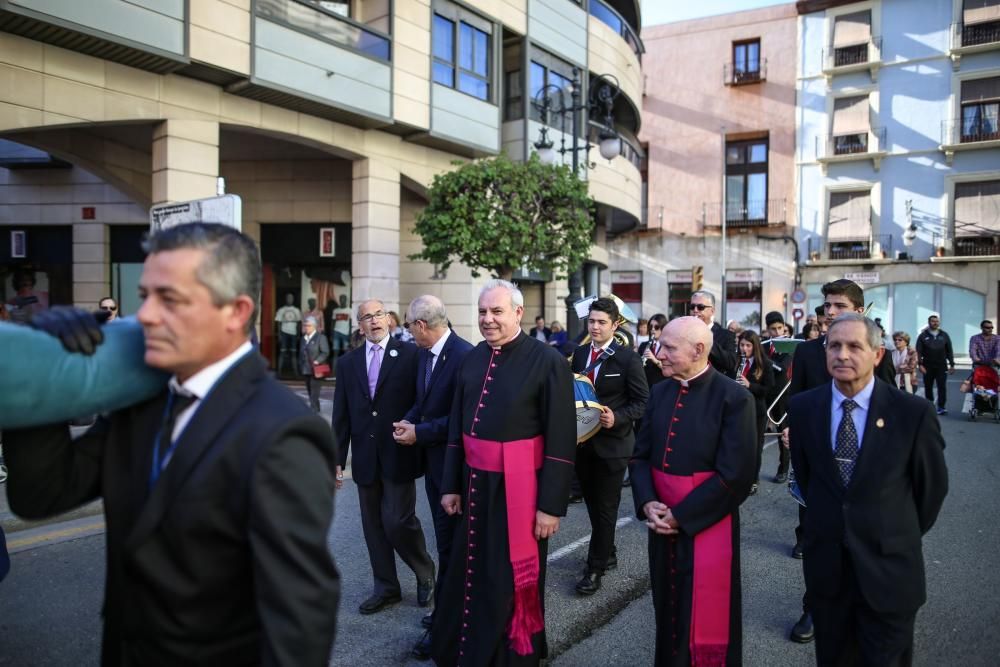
(898, 157)
(329, 118)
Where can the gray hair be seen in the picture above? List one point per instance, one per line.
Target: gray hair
(231, 268)
(708, 296)
(430, 309)
(357, 311)
(872, 332)
(516, 298)
(310, 320)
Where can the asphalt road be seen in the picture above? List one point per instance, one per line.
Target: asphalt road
(50, 604)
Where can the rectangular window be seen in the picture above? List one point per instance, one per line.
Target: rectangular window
(746, 61)
(744, 292)
(679, 293)
(746, 183)
(980, 22)
(850, 225)
(850, 125)
(462, 57)
(977, 218)
(981, 109)
(552, 75)
(627, 286)
(851, 35)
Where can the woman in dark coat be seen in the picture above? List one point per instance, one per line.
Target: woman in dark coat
(755, 374)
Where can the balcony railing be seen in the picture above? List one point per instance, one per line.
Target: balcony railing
(983, 126)
(853, 56)
(742, 75)
(611, 18)
(861, 247)
(309, 17)
(968, 243)
(965, 35)
(847, 144)
(629, 149)
(755, 213)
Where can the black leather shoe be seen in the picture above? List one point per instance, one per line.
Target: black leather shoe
(803, 631)
(781, 478)
(377, 603)
(797, 551)
(427, 621)
(612, 563)
(422, 649)
(425, 592)
(590, 583)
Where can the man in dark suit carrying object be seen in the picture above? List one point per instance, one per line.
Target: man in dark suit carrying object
(601, 461)
(376, 385)
(426, 424)
(870, 462)
(218, 492)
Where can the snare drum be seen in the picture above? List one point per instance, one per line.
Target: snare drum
(588, 409)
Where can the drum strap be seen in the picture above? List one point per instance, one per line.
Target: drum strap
(601, 358)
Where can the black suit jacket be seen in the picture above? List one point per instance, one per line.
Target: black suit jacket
(897, 488)
(365, 424)
(723, 354)
(433, 405)
(621, 386)
(653, 373)
(545, 330)
(225, 560)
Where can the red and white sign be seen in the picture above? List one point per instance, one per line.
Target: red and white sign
(798, 313)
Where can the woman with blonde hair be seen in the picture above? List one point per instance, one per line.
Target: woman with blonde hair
(904, 359)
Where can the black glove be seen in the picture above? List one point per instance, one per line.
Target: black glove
(77, 330)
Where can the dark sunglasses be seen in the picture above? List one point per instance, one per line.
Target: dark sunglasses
(109, 309)
(699, 306)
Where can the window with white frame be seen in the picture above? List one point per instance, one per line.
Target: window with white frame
(851, 125)
(977, 218)
(851, 36)
(981, 109)
(980, 22)
(849, 229)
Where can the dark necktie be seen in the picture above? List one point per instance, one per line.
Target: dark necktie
(846, 452)
(429, 369)
(176, 404)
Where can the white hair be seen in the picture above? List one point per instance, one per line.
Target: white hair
(516, 298)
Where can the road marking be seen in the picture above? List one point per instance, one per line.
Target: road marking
(46, 535)
(573, 546)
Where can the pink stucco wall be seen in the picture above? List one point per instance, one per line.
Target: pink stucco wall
(687, 110)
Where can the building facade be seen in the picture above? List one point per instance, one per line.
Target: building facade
(719, 136)
(898, 157)
(328, 118)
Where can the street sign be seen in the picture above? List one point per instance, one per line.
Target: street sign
(863, 277)
(798, 296)
(224, 210)
(798, 313)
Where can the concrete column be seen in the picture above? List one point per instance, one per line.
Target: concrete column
(375, 233)
(91, 264)
(185, 160)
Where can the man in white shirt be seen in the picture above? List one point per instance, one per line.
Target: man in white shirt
(288, 318)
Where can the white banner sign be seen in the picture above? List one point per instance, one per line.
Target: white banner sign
(678, 276)
(626, 277)
(863, 277)
(224, 210)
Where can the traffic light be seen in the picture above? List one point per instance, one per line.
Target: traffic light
(697, 277)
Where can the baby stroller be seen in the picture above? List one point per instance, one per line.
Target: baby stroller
(985, 385)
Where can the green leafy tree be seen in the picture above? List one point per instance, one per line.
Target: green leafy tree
(498, 215)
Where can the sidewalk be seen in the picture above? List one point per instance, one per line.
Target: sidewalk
(12, 523)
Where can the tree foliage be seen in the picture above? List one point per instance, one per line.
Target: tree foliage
(498, 215)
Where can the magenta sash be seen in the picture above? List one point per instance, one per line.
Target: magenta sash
(713, 559)
(517, 460)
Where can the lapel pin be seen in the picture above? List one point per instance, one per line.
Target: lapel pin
(879, 423)
(393, 353)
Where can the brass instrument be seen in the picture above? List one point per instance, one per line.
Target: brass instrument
(622, 336)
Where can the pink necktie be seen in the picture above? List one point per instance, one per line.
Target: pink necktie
(373, 369)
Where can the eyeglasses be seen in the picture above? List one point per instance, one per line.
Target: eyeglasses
(407, 325)
(109, 309)
(700, 306)
(377, 315)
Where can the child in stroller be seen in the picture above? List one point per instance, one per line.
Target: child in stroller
(985, 385)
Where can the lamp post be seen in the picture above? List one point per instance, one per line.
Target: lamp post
(601, 98)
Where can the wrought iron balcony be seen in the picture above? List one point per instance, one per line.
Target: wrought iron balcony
(754, 213)
(853, 57)
(981, 126)
(875, 246)
(607, 15)
(968, 243)
(980, 36)
(742, 75)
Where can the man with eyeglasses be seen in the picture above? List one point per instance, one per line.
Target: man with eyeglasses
(425, 426)
(984, 347)
(109, 306)
(376, 385)
(723, 354)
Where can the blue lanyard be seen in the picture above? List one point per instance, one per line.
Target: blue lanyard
(156, 468)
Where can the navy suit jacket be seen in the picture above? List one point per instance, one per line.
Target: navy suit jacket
(364, 424)
(432, 408)
(899, 483)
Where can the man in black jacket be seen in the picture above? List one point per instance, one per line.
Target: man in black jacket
(601, 461)
(723, 354)
(936, 361)
(870, 462)
(218, 492)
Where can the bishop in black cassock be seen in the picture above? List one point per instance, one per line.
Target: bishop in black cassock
(515, 389)
(693, 466)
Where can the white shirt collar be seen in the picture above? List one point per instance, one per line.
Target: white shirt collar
(384, 343)
(439, 345)
(863, 398)
(199, 384)
(605, 346)
(704, 370)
